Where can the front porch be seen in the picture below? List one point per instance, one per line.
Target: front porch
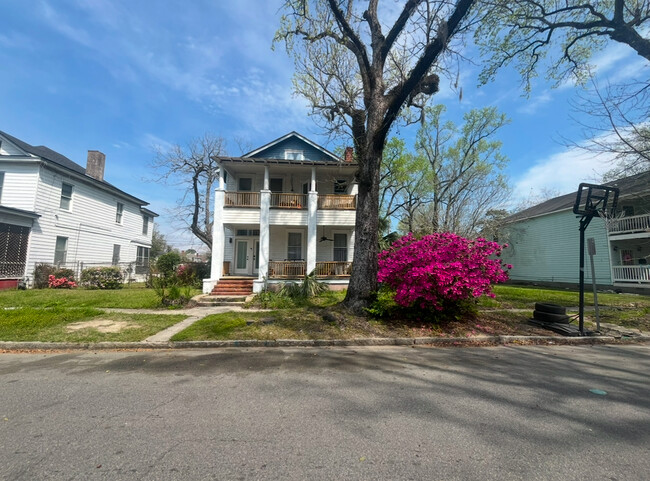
(630, 253)
(298, 269)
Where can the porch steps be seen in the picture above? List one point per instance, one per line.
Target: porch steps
(233, 287)
(213, 301)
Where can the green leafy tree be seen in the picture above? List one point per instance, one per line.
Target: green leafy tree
(159, 244)
(559, 36)
(359, 74)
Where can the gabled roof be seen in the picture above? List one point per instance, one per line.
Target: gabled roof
(49, 155)
(628, 186)
(259, 152)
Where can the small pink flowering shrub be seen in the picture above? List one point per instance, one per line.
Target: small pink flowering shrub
(60, 283)
(440, 270)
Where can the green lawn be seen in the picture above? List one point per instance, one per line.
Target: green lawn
(518, 297)
(137, 297)
(37, 324)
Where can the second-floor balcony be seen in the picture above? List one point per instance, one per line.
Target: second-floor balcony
(629, 225)
(285, 200)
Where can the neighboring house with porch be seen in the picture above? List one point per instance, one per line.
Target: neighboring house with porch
(282, 211)
(54, 211)
(544, 240)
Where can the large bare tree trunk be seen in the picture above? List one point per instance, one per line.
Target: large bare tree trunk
(363, 282)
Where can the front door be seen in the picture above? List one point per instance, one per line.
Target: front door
(247, 256)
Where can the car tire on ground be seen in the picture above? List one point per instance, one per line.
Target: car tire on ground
(550, 317)
(550, 308)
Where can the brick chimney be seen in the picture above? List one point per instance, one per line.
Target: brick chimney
(95, 164)
(349, 155)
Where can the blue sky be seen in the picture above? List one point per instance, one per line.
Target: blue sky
(121, 76)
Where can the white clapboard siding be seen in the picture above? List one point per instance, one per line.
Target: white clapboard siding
(19, 186)
(89, 225)
(546, 248)
(336, 217)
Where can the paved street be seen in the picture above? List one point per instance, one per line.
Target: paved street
(389, 413)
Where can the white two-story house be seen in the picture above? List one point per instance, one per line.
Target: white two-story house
(282, 211)
(54, 211)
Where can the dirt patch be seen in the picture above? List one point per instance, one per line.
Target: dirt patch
(102, 325)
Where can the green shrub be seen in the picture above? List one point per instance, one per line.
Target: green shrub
(43, 271)
(171, 293)
(385, 307)
(102, 278)
(167, 264)
(308, 287)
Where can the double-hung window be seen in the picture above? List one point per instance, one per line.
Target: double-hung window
(119, 212)
(294, 246)
(145, 224)
(60, 250)
(340, 248)
(66, 196)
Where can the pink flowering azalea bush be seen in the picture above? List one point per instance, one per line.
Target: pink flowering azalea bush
(60, 282)
(440, 270)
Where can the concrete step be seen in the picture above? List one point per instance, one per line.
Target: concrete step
(221, 300)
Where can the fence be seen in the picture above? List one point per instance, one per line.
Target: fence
(131, 271)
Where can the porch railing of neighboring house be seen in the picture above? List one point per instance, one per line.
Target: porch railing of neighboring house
(298, 269)
(638, 274)
(288, 200)
(635, 223)
(337, 202)
(242, 199)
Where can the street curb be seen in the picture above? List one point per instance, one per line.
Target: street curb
(361, 342)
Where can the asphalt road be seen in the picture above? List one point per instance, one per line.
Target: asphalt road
(389, 413)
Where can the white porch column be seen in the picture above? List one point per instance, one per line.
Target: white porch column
(313, 180)
(266, 177)
(218, 241)
(265, 205)
(312, 225)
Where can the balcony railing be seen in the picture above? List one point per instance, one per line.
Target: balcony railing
(337, 202)
(298, 269)
(288, 201)
(637, 274)
(635, 223)
(242, 199)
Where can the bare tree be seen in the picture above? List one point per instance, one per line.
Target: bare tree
(617, 123)
(194, 167)
(358, 76)
(566, 34)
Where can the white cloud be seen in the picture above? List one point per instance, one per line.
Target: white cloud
(532, 105)
(562, 172)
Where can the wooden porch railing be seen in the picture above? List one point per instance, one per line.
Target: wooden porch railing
(337, 202)
(333, 269)
(287, 269)
(638, 274)
(288, 200)
(242, 199)
(635, 223)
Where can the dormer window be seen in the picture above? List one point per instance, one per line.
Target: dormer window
(291, 154)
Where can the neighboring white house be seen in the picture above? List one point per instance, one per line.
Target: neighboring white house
(544, 240)
(54, 211)
(282, 211)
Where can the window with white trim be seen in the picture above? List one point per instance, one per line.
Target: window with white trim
(142, 260)
(2, 181)
(340, 248)
(291, 154)
(294, 246)
(145, 224)
(119, 211)
(66, 196)
(116, 254)
(60, 250)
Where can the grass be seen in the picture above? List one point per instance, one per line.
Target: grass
(324, 318)
(50, 325)
(516, 297)
(130, 297)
